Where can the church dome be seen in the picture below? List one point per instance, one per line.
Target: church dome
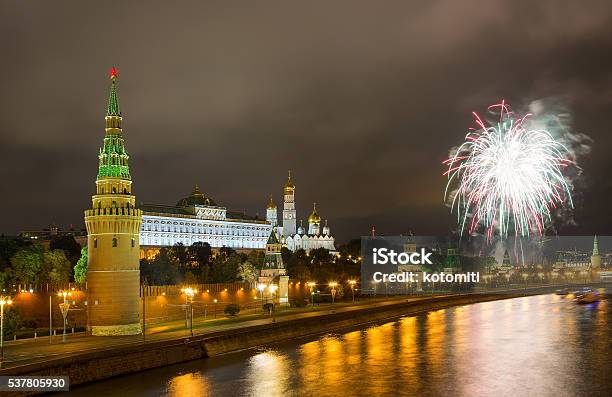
(271, 205)
(196, 198)
(314, 217)
(289, 186)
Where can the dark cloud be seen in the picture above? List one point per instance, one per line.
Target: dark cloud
(362, 100)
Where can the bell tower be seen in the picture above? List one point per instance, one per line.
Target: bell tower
(289, 213)
(113, 228)
(271, 213)
(595, 258)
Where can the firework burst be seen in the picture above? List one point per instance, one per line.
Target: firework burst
(508, 177)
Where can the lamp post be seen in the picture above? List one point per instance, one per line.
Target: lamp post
(333, 286)
(189, 294)
(50, 319)
(64, 308)
(272, 288)
(3, 301)
(215, 302)
(311, 285)
(352, 284)
(261, 288)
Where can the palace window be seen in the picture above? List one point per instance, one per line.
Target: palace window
(95, 243)
(133, 243)
(114, 241)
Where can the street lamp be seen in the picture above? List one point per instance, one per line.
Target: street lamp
(64, 307)
(352, 284)
(189, 294)
(333, 286)
(261, 288)
(272, 288)
(4, 300)
(215, 302)
(311, 285)
(525, 275)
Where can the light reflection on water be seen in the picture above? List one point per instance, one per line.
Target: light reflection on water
(540, 346)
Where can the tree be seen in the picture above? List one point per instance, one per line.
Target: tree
(67, 244)
(80, 269)
(232, 309)
(179, 255)
(160, 271)
(225, 267)
(5, 278)
(247, 272)
(26, 265)
(190, 279)
(56, 267)
(199, 254)
(256, 258)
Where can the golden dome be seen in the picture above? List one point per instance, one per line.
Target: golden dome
(271, 205)
(289, 186)
(314, 217)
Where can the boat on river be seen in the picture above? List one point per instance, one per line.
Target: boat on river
(589, 297)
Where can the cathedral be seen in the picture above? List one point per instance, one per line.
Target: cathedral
(292, 236)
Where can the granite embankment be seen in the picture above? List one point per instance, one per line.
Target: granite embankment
(102, 364)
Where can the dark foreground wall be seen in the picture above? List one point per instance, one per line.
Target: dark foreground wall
(99, 365)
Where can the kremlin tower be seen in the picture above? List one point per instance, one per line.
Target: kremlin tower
(113, 227)
(595, 258)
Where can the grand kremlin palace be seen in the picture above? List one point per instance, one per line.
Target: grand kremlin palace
(197, 218)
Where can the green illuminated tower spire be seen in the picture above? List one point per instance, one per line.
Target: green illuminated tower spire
(113, 155)
(113, 102)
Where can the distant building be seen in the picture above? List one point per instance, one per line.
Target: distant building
(45, 236)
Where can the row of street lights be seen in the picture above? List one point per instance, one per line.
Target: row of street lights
(333, 285)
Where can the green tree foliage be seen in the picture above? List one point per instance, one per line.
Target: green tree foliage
(26, 265)
(225, 266)
(232, 309)
(247, 272)
(12, 320)
(8, 248)
(56, 268)
(256, 258)
(80, 269)
(5, 278)
(199, 254)
(162, 270)
(67, 244)
(180, 255)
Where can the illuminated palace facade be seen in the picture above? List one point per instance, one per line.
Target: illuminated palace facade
(197, 218)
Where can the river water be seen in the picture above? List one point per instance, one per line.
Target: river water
(535, 346)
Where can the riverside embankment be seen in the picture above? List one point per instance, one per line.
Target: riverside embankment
(103, 363)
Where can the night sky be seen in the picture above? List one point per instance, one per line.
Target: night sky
(361, 100)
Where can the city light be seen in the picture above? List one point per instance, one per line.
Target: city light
(64, 307)
(4, 300)
(333, 286)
